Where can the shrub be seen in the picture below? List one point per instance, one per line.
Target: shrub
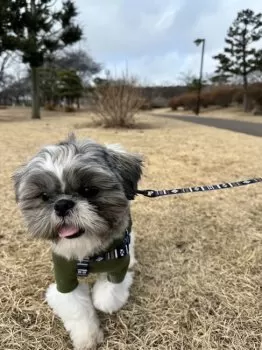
(174, 103)
(206, 99)
(49, 107)
(117, 101)
(188, 101)
(222, 96)
(238, 96)
(255, 93)
(159, 102)
(146, 105)
(69, 109)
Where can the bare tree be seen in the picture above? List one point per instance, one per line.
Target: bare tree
(256, 77)
(16, 88)
(191, 80)
(5, 62)
(80, 61)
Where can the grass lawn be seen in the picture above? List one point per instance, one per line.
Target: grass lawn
(198, 284)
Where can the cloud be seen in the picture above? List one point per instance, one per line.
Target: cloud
(155, 37)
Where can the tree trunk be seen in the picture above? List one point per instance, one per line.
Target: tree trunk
(34, 72)
(245, 99)
(245, 80)
(35, 94)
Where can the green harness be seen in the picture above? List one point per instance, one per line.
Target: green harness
(114, 262)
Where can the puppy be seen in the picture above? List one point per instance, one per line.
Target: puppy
(76, 194)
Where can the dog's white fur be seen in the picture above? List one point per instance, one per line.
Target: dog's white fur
(82, 246)
(77, 310)
(110, 297)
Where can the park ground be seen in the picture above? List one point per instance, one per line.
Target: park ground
(231, 113)
(198, 284)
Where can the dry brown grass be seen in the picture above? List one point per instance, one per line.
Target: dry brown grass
(233, 113)
(198, 282)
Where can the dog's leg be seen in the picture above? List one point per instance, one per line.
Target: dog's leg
(110, 297)
(78, 315)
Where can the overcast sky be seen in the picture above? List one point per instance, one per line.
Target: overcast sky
(155, 37)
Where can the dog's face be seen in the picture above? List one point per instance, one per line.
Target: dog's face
(77, 191)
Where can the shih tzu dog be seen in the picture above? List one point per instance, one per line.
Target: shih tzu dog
(76, 194)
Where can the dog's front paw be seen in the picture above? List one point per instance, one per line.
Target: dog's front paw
(110, 297)
(87, 339)
(78, 315)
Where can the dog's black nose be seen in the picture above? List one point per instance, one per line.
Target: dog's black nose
(63, 206)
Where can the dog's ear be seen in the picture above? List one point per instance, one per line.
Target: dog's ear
(127, 166)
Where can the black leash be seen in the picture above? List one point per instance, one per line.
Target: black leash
(176, 191)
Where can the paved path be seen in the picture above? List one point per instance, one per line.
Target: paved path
(254, 129)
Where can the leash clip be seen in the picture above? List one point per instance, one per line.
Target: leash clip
(147, 193)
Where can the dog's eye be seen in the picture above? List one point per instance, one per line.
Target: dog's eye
(88, 192)
(44, 196)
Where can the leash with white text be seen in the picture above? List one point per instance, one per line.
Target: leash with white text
(177, 191)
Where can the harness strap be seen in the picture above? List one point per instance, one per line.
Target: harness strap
(176, 191)
(118, 252)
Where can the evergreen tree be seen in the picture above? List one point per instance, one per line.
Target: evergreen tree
(36, 30)
(240, 57)
(70, 86)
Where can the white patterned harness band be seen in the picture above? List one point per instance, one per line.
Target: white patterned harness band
(118, 252)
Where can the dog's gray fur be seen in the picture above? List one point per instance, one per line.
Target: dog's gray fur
(61, 171)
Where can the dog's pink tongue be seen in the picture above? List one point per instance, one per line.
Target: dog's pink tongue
(67, 230)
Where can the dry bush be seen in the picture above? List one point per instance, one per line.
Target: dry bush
(206, 99)
(53, 107)
(187, 101)
(222, 96)
(238, 96)
(49, 107)
(174, 103)
(255, 98)
(159, 102)
(117, 100)
(69, 109)
(255, 93)
(146, 106)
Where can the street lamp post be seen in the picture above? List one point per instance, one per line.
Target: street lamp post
(199, 42)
